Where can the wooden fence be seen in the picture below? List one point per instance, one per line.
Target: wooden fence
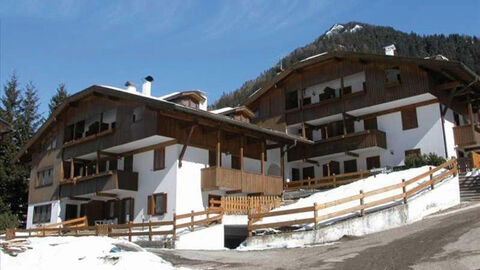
(404, 195)
(242, 205)
(326, 181)
(78, 227)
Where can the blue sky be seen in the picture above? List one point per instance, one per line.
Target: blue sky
(210, 45)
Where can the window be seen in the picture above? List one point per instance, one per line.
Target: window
(373, 162)
(42, 213)
(409, 118)
(68, 134)
(413, 152)
(137, 114)
(295, 174)
(157, 204)
(333, 167)
(370, 123)
(392, 76)
(350, 166)
(307, 101)
(308, 173)
(50, 144)
(159, 159)
(79, 128)
(45, 177)
(292, 100)
(236, 162)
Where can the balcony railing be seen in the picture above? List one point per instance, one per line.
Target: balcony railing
(341, 144)
(104, 182)
(465, 136)
(214, 178)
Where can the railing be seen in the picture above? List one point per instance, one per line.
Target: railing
(404, 195)
(465, 135)
(101, 182)
(151, 228)
(326, 181)
(341, 144)
(242, 205)
(247, 182)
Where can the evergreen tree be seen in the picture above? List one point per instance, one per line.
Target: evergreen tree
(58, 98)
(29, 117)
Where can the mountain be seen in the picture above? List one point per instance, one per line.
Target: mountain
(367, 38)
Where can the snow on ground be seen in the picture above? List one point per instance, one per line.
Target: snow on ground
(367, 184)
(87, 252)
(473, 173)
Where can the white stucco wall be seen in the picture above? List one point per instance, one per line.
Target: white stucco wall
(428, 136)
(448, 124)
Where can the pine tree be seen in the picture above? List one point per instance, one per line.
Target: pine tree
(29, 117)
(58, 98)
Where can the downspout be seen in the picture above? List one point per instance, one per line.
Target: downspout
(443, 131)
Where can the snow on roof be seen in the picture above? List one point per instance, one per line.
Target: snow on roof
(314, 56)
(222, 110)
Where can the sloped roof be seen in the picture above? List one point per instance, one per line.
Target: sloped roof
(156, 103)
(457, 69)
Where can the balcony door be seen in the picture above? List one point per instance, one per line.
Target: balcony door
(333, 167)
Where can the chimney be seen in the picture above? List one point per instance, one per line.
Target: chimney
(130, 86)
(147, 86)
(390, 50)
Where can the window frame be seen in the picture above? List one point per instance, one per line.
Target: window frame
(414, 151)
(351, 163)
(42, 171)
(371, 158)
(43, 215)
(152, 204)
(159, 165)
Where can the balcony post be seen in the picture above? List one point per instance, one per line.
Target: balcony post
(241, 153)
(282, 163)
(97, 169)
(218, 150)
(72, 168)
(470, 113)
(262, 157)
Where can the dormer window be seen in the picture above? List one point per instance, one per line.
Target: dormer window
(392, 76)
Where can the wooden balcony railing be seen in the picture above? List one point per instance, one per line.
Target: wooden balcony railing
(466, 135)
(341, 144)
(109, 181)
(248, 182)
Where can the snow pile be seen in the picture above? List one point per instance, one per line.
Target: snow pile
(88, 252)
(368, 184)
(473, 173)
(356, 28)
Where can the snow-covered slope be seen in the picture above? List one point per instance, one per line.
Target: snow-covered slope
(339, 28)
(368, 184)
(88, 252)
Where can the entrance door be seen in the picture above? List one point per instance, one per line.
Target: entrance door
(333, 167)
(308, 172)
(71, 211)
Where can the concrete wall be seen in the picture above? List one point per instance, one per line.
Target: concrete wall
(445, 195)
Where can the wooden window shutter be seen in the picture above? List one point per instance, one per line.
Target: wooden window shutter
(413, 152)
(151, 205)
(164, 203)
(409, 118)
(159, 159)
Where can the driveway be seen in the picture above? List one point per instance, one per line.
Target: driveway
(450, 240)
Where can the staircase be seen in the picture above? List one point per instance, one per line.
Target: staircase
(469, 187)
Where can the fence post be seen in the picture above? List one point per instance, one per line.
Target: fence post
(208, 217)
(362, 210)
(334, 181)
(404, 191)
(174, 231)
(130, 231)
(249, 226)
(150, 230)
(192, 220)
(431, 176)
(315, 215)
(43, 230)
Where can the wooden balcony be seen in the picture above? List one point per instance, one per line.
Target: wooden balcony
(341, 144)
(214, 178)
(466, 136)
(104, 182)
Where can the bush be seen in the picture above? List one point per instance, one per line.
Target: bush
(415, 161)
(7, 219)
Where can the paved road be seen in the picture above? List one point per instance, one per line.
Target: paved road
(446, 241)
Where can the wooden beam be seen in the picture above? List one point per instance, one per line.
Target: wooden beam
(218, 149)
(349, 116)
(241, 153)
(447, 86)
(97, 169)
(274, 146)
(233, 191)
(72, 168)
(311, 161)
(79, 199)
(282, 164)
(184, 148)
(113, 155)
(262, 157)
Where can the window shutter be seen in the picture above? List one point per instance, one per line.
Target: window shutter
(159, 159)
(151, 205)
(164, 203)
(409, 118)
